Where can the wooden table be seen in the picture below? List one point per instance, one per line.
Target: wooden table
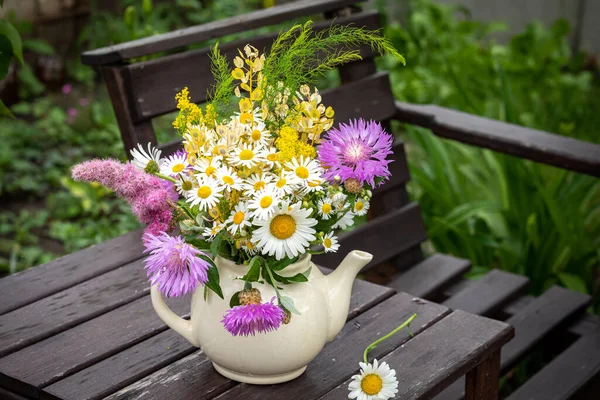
(82, 327)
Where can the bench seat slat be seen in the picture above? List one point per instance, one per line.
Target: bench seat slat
(540, 317)
(431, 275)
(136, 362)
(334, 364)
(63, 310)
(36, 283)
(488, 294)
(472, 337)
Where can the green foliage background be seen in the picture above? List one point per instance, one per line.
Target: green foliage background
(496, 210)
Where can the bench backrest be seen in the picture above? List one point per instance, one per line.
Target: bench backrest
(143, 90)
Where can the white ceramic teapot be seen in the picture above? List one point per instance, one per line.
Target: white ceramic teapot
(277, 356)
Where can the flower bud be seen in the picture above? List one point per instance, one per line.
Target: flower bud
(249, 296)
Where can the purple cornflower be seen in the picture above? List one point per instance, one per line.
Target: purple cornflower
(66, 89)
(145, 193)
(249, 319)
(357, 150)
(174, 265)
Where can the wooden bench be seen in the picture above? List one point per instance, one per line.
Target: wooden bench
(141, 91)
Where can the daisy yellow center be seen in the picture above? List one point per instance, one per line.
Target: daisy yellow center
(302, 172)
(259, 185)
(256, 134)
(283, 226)
(273, 157)
(327, 242)
(266, 202)
(359, 206)
(178, 167)
(238, 217)
(228, 180)
(246, 155)
(204, 192)
(281, 183)
(210, 170)
(371, 384)
(186, 185)
(326, 208)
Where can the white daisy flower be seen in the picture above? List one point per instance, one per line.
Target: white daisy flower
(361, 206)
(174, 164)
(228, 178)
(256, 182)
(184, 184)
(260, 136)
(264, 203)
(306, 170)
(345, 221)
(239, 218)
(288, 232)
(206, 195)
(211, 231)
(325, 208)
(141, 158)
(286, 183)
(375, 382)
(271, 157)
(338, 201)
(247, 156)
(330, 243)
(207, 167)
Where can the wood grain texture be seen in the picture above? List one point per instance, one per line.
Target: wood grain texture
(488, 294)
(152, 94)
(483, 381)
(385, 237)
(532, 144)
(339, 360)
(36, 283)
(194, 377)
(435, 358)
(431, 275)
(566, 374)
(61, 355)
(532, 323)
(199, 33)
(63, 310)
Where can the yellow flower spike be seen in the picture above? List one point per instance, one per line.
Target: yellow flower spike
(183, 98)
(256, 95)
(236, 91)
(238, 73)
(238, 62)
(245, 105)
(246, 118)
(245, 86)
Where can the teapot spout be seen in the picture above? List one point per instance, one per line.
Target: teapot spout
(339, 284)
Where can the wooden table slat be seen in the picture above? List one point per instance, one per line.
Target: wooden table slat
(430, 275)
(36, 283)
(336, 362)
(532, 324)
(124, 368)
(488, 294)
(63, 310)
(441, 354)
(63, 354)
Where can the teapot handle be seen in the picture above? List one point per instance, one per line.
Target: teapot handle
(173, 321)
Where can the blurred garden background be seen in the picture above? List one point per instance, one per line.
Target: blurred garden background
(495, 210)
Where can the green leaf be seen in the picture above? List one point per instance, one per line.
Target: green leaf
(253, 273)
(288, 304)
(235, 300)
(281, 264)
(38, 46)
(208, 260)
(213, 282)
(9, 31)
(214, 246)
(5, 111)
(299, 277)
(573, 282)
(5, 56)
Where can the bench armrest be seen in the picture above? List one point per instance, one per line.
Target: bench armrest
(532, 144)
(211, 30)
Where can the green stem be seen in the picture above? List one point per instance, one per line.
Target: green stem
(273, 283)
(168, 178)
(398, 329)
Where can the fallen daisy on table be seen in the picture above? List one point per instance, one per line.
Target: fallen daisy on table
(376, 381)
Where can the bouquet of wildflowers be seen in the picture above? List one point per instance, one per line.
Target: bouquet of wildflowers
(263, 178)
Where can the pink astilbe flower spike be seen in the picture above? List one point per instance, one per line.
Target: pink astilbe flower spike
(145, 193)
(357, 150)
(249, 319)
(174, 265)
